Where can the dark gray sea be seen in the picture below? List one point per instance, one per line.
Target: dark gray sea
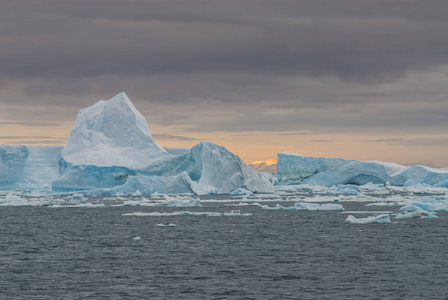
(91, 253)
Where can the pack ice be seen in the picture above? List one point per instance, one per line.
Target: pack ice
(299, 169)
(111, 150)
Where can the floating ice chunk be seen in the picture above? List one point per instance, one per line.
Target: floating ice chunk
(137, 193)
(76, 198)
(176, 213)
(180, 201)
(416, 214)
(349, 189)
(242, 204)
(426, 204)
(306, 206)
(372, 186)
(236, 213)
(13, 199)
(137, 238)
(314, 206)
(367, 212)
(383, 218)
(171, 225)
(241, 191)
(277, 207)
(79, 205)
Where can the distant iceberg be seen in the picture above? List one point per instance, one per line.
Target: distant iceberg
(298, 169)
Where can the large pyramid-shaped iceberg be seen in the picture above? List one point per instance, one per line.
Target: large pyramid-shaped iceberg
(110, 150)
(111, 133)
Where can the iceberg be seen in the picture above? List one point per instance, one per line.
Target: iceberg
(211, 169)
(299, 169)
(111, 150)
(28, 167)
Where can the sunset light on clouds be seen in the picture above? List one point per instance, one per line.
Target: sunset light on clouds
(354, 79)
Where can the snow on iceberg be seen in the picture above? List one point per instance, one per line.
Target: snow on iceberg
(110, 150)
(383, 218)
(299, 169)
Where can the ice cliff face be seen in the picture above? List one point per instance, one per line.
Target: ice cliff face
(28, 167)
(295, 169)
(110, 150)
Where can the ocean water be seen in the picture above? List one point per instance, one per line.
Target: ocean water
(92, 253)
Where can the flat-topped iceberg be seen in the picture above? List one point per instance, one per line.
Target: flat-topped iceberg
(298, 169)
(110, 150)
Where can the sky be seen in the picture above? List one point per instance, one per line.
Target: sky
(355, 79)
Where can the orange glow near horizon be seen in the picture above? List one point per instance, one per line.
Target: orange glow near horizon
(256, 147)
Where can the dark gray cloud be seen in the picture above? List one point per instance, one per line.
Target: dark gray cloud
(356, 40)
(322, 141)
(421, 142)
(290, 67)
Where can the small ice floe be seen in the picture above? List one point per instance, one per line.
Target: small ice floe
(314, 206)
(168, 225)
(416, 214)
(76, 198)
(137, 193)
(242, 192)
(176, 213)
(137, 238)
(349, 189)
(426, 204)
(367, 212)
(306, 206)
(383, 218)
(236, 213)
(79, 205)
(242, 204)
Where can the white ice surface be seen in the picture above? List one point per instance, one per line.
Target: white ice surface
(383, 218)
